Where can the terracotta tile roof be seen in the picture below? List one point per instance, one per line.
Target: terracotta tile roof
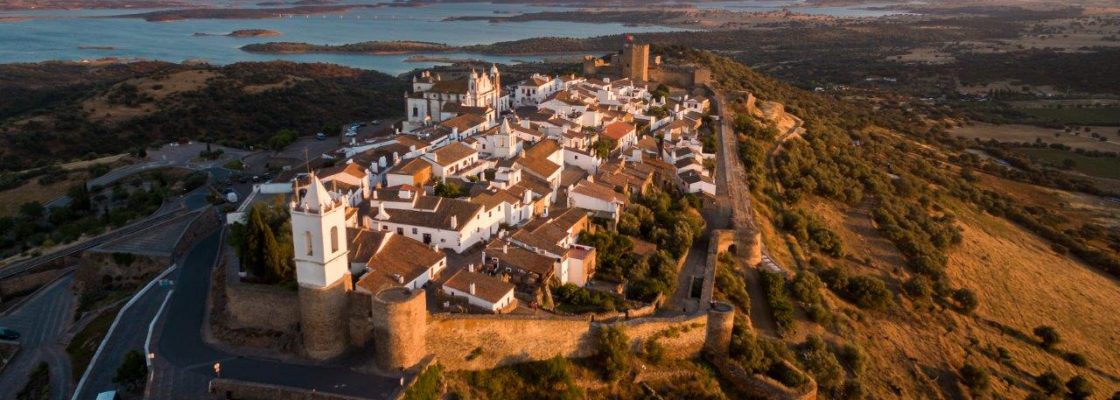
(410, 167)
(464, 122)
(493, 198)
(571, 176)
(400, 256)
(364, 243)
(409, 140)
(617, 130)
(600, 191)
(452, 153)
(450, 86)
(486, 287)
(435, 212)
(513, 256)
(353, 169)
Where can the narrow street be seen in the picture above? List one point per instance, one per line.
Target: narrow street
(41, 322)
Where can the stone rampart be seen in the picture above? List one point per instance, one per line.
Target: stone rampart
(262, 306)
(475, 342)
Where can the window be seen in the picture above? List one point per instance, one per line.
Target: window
(414, 231)
(334, 239)
(415, 112)
(400, 231)
(307, 240)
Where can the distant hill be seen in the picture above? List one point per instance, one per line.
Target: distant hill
(371, 47)
(54, 112)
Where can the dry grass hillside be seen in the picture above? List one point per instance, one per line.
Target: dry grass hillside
(915, 350)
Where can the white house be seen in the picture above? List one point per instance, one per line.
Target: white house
(599, 198)
(482, 291)
(444, 223)
(449, 160)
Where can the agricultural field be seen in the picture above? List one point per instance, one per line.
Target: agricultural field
(1101, 116)
(1029, 134)
(1104, 167)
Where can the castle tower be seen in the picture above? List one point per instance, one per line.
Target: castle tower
(399, 328)
(322, 270)
(721, 320)
(635, 60)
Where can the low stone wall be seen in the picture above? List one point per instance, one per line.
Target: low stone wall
(760, 386)
(509, 339)
(28, 282)
(233, 389)
(262, 306)
(97, 269)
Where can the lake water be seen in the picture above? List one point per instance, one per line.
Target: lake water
(58, 34)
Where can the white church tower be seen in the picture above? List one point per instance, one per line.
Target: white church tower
(322, 270)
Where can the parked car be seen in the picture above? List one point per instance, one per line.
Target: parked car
(320, 136)
(8, 334)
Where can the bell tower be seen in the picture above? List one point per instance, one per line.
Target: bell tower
(322, 270)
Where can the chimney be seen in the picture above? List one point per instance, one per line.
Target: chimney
(405, 193)
(381, 162)
(374, 195)
(454, 222)
(396, 158)
(527, 198)
(505, 248)
(472, 289)
(470, 267)
(399, 278)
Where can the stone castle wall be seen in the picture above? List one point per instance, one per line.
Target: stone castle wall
(511, 339)
(262, 306)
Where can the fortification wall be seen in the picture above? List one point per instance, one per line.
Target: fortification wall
(508, 339)
(262, 306)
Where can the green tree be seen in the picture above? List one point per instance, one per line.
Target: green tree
(966, 299)
(132, 373)
(1047, 336)
(1079, 387)
(1049, 382)
(975, 378)
(261, 253)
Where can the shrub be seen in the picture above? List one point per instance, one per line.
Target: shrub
(1047, 336)
(1049, 382)
(918, 288)
(613, 357)
(781, 308)
(133, 372)
(1077, 359)
(427, 386)
(975, 378)
(1079, 387)
(966, 300)
(853, 358)
(822, 364)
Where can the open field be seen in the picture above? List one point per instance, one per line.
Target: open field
(1028, 134)
(1103, 116)
(1023, 284)
(1104, 167)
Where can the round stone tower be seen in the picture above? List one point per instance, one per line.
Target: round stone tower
(399, 328)
(323, 321)
(721, 318)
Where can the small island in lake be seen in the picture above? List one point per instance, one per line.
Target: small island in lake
(244, 33)
(371, 47)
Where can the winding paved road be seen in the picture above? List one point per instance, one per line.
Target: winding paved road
(183, 365)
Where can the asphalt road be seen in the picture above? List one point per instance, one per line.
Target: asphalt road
(184, 362)
(41, 322)
(129, 334)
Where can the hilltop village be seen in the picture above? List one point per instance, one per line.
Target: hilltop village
(509, 200)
